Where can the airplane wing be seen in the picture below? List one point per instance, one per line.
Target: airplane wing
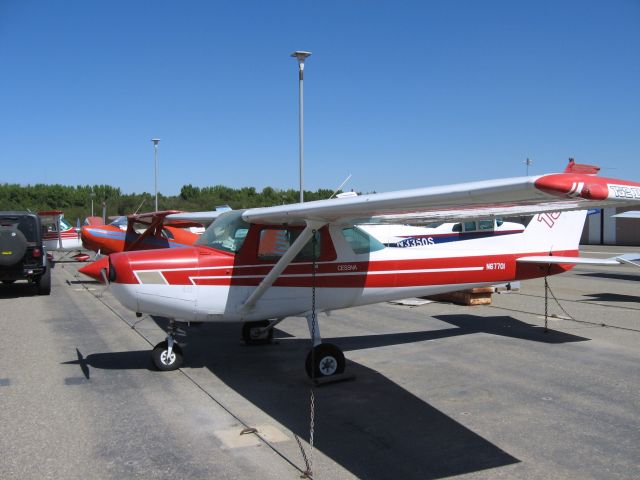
(50, 216)
(203, 218)
(515, 196)
(151, 217)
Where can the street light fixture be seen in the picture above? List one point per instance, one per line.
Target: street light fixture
(155, 141)
(301, 56)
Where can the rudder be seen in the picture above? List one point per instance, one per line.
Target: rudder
(554, 231)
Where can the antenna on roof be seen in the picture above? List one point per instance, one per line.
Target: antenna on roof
(340, 187)
(139, 207)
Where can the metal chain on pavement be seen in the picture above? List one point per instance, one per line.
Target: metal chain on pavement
(546, 304)
(549, 291)
(308, 460)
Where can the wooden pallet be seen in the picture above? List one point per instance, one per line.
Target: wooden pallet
(473, 296)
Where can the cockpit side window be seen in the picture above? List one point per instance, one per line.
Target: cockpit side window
(485, 225)
(274, 243)
(470, 226)
(360, 241)
(64, 225)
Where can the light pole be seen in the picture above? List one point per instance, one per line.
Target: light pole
(528, 163)
(92, 194)
(155, 141)
(301, 55)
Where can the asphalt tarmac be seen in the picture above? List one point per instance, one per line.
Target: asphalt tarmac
(440, 390)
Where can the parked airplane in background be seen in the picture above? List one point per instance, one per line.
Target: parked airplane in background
(60, 234)
(403, 236)
(261, 265)
(139, 232)
(148, 231)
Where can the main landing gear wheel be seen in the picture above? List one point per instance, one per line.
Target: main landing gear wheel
(257, 333)
(327, 360)
(164, 360)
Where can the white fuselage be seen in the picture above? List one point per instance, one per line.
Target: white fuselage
(203, 288)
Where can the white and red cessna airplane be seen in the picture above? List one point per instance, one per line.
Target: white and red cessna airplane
(60, 234)
(261, 265)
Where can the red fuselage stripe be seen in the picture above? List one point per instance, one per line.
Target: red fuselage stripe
(378, 274)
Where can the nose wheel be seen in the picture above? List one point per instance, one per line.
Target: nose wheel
(167, 355)
(166, 359)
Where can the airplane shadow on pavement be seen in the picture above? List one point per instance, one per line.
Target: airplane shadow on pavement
(613, 276)
(611, 297)
(372, 427)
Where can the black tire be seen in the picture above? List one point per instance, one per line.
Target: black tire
(249, 335)
(160, 359)
(44, 282)
(328, 359)
(13, 246)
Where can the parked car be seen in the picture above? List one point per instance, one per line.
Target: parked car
(22, 252)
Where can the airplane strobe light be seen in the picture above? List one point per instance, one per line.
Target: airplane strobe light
(260, 265)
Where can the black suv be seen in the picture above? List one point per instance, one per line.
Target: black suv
(22, 252)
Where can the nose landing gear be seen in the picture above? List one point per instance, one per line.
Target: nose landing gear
(167, 355)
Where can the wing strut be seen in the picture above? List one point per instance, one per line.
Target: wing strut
(283, 263)
(58, 222)
(150, 231)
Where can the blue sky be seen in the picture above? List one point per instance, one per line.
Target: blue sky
(398, 94)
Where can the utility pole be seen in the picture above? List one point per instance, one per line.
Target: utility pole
(155, 141)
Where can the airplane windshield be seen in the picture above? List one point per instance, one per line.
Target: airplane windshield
(64, 225)
(120, 222)
(227, 233)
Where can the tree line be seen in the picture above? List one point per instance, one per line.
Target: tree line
(75, 202)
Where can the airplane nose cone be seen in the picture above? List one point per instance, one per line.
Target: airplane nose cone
(94, 269)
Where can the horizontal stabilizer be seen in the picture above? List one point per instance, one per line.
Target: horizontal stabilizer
(630, 214)
(564, 260)
(630, 258)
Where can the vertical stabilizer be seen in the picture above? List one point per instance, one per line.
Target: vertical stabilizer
(554, 231)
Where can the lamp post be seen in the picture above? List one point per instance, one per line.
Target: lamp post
(92, 194)
(528, 163)
(301, 56)
(155, 141)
